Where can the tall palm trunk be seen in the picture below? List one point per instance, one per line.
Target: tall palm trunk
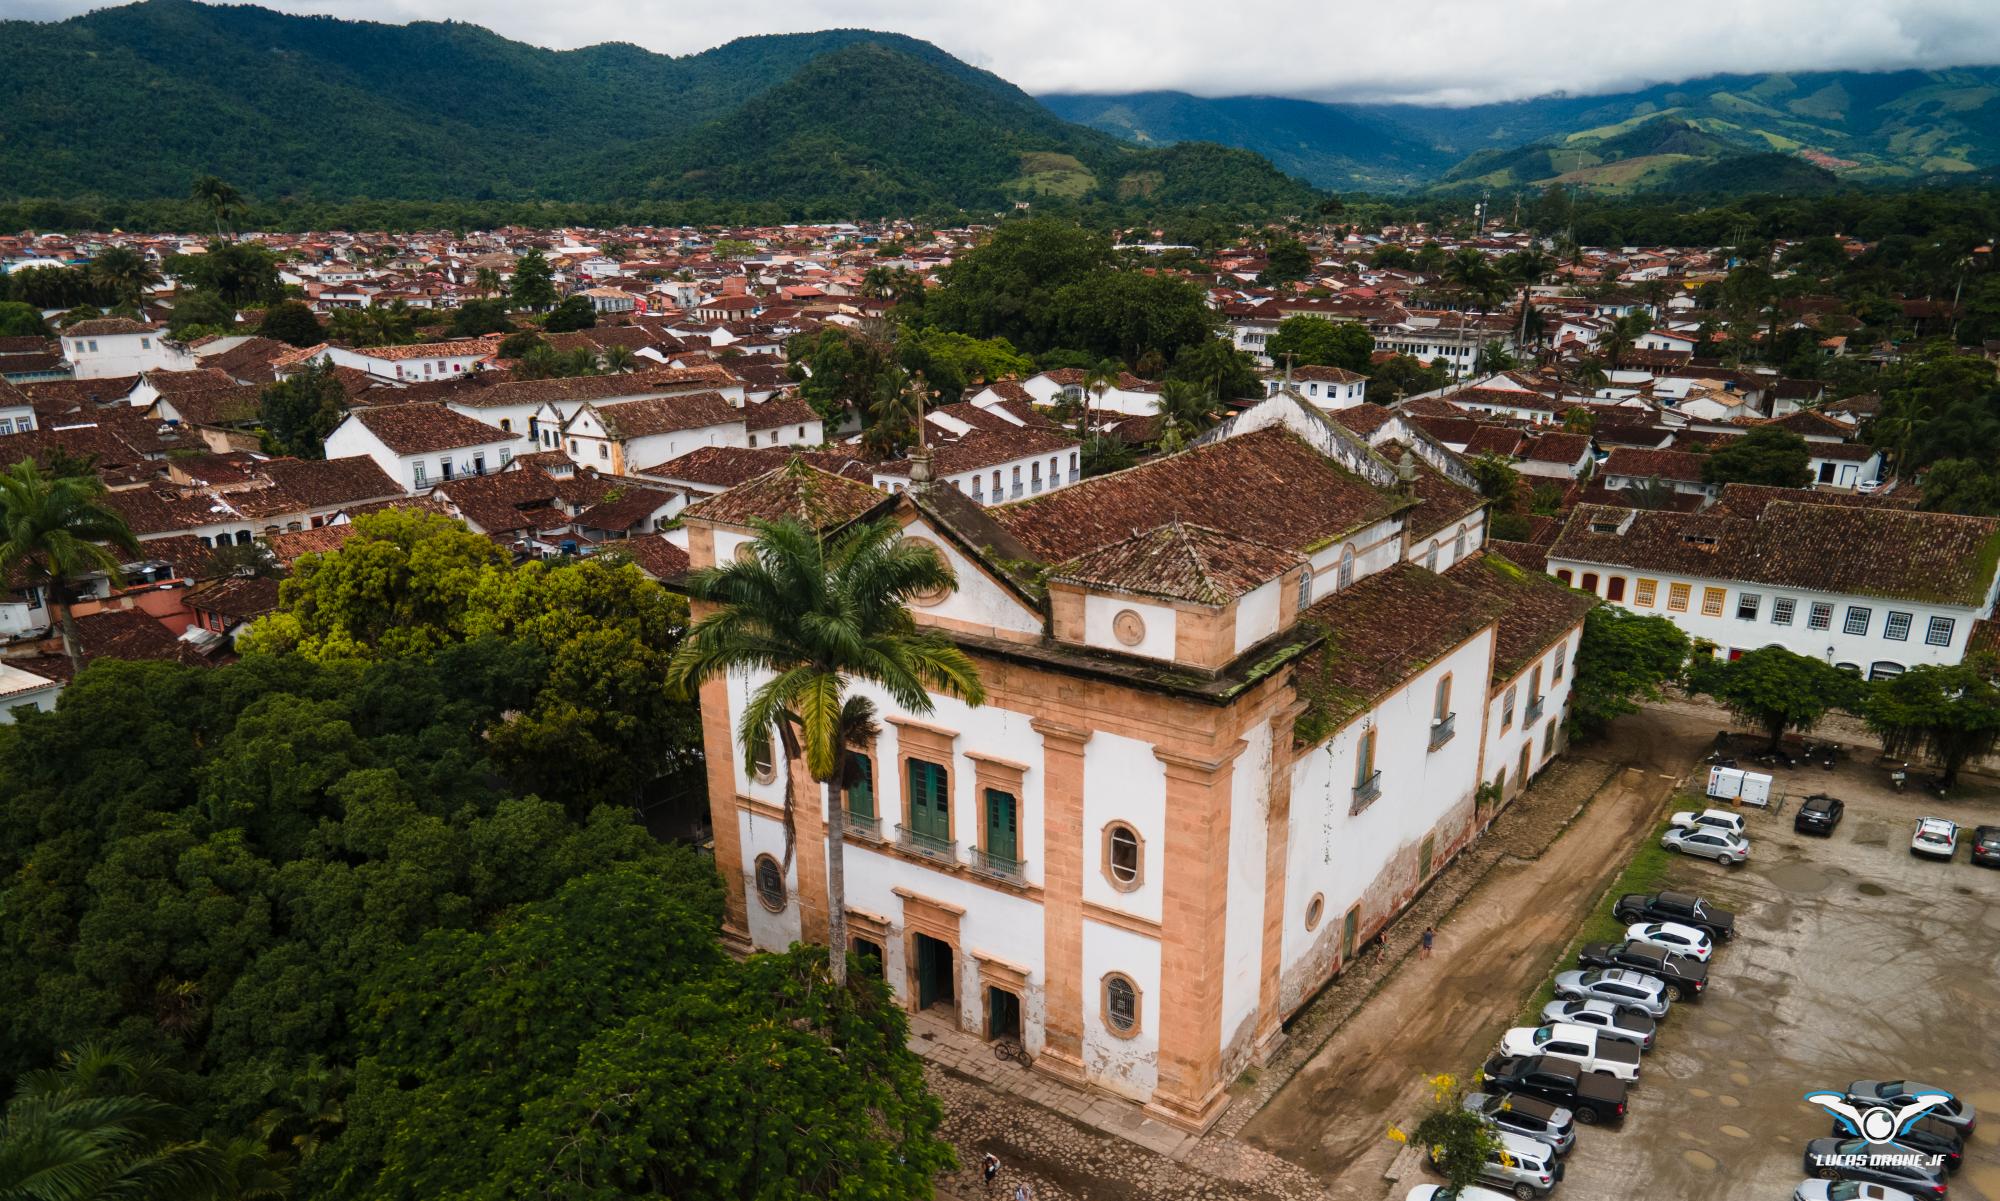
(836, 875)
(72, 640)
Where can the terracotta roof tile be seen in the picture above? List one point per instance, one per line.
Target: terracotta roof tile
(1181, 562)
(796, 490)
(421, 428)
(1534, 609)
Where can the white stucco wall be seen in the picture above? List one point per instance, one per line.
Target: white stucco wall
(1257, 613)
(978, 600)
(1127, 1066)
(1124, 781)
(1100, 612)
(1243, 936)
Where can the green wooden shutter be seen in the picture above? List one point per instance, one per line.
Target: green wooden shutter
(929, 813)
(1002, 832)
(861, 793)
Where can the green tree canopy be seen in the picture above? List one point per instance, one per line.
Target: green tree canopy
(299, 411)
(1217, 367)
(1405, 376)
(53, 532)
(1286, 261)
(1949, 713)
(478, 317)
(842, 371)
(1623, 658)
(534, 286)
(574, 313)
(18, 320)
(1776, 690)
(292, 322)
(1766, 455)
(241, 273)
(1317, 342)
(1007, 286)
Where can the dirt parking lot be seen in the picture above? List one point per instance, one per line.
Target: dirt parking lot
(1852, 960)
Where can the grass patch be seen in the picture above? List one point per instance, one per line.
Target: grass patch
(1647, 868)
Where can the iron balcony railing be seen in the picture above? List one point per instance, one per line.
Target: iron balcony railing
(926, 844)
(1366, 792)
(993, 864)
(865, 825)
(1442, 730)
(1534, 710)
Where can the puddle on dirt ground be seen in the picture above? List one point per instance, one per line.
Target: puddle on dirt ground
(1733, 1131)
(1717, 1026)
(1740, 1079)
(1798, 877)
(1700, 1092)
(1871, 890)
(1727, 1101)
(1699, 1161)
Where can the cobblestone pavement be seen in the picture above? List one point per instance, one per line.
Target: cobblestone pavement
(1065, 1150)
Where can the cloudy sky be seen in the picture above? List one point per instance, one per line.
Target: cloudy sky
(1435, 51)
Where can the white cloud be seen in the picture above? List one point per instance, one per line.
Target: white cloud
(1439, 51)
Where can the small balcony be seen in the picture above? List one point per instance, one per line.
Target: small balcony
(1533, 713)
(1366, 793)
(865, 826)
(1001, 867)
(928, 845)
(1442, 730)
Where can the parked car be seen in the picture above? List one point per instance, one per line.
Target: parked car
(1719, 845)
(1579, 1045)
(1529, 1116)
(1986, 846)
(1681, 940)
(1709, 819)
(1935, 838)
(1606, 1018)
(1819, 815)
(1848, 1190)
(1591, 1097)
(1956, 1112)
(1683, 907)
(1880, 1163)
(1440, 1192)
(1926, 1135)
(1684, 978)
(1522, 1166)
(1632, 992)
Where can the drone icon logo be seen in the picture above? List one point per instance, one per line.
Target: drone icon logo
(1877, 1123)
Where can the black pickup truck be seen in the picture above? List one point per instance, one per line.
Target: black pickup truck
(1592, 1097)
(1685, 978)
(1682, 907)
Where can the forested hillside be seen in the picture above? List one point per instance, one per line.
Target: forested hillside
(844, 122)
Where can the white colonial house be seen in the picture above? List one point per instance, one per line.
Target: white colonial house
(1230, 730)
(421, 445)
(1327, 387)
(417, 362)
(117, 346)
(1869, 588)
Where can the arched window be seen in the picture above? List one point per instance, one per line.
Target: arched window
(1346, 568)
(770, 884)
(1124, 863)
(1121, 1005)
(1458, 545)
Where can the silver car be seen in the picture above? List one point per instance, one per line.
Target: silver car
(1719, 845)
(1529, 1117)
(1522, 1166)
(1629, 990)
(1607, 1019)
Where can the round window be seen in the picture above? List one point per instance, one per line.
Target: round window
(763, 768)
(1128, 627)
(746, 552)
(770, 884)
(1315, 908)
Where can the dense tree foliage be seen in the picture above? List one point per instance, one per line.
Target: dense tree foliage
(299, 411)
(1775, 689)
(574, 313)
(18, 320)
(1623, 658)
(1950, 713)
(1317, 342)
(293, 322)
(376, 897)
(1766, 455)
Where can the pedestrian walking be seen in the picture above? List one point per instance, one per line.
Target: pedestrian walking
(1430, 936)
(1024, 1192)
(990, 1169)
(1381, 949)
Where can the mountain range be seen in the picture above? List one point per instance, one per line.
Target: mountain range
(1799, 130)
(135, 101)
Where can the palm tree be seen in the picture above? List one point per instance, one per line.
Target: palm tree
(814, 615)
(1185, 410)
(619, 359)
(486, 281)
(92, 1128)
(219, 197)
(124, 271)
(55, 531)
(1618, 339)
(1097, 381)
